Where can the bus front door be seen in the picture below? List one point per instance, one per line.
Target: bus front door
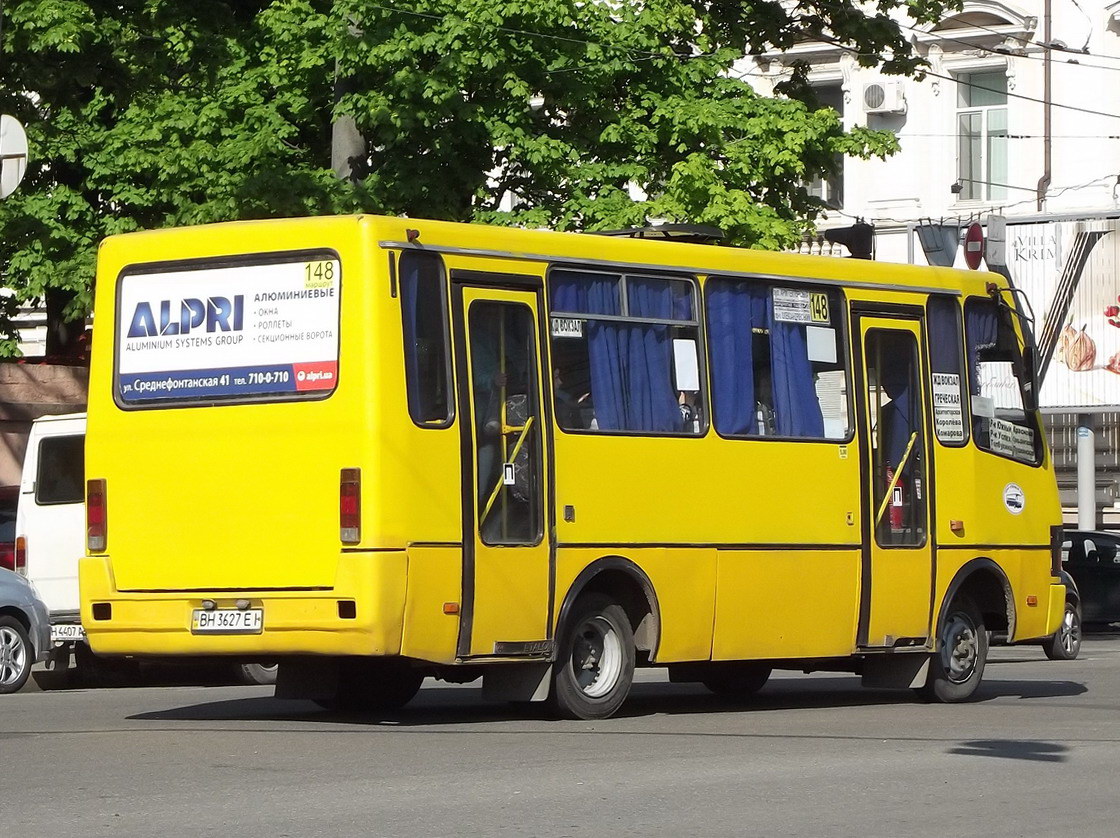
(897, 568)
(506, 568)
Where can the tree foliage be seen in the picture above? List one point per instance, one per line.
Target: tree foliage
(149, 113)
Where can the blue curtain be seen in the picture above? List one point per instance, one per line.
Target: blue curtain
(981, 322)
(944, 336)
(648, 362)
(797, 410)
(631, 363)
(410, 294)
(734, 308)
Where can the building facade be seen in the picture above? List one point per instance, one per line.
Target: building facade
(1018, 115)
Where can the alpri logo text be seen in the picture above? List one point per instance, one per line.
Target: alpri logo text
(213, 313)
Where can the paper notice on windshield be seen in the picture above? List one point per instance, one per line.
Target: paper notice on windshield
(1011, 440)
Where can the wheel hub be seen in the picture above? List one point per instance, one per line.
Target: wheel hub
(12, 656)
(597, 657)
(1070, 634)
(960, 649)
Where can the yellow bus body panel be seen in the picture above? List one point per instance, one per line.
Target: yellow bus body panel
(752, 547)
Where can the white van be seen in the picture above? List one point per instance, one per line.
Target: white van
(50, 522)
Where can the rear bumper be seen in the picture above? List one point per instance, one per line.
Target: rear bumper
(295, 621)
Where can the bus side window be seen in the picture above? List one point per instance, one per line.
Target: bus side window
(946, 363)
(778, 361)
(427, 360)
(1000, 421)
(625, 353)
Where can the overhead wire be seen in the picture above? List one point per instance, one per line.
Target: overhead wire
(976, 213)
(926, 72)
(1008, 53)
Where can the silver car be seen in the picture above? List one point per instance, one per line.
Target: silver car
(25, 630)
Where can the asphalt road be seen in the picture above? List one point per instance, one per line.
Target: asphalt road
(810, 756)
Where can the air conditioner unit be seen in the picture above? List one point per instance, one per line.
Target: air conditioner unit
(884, 97)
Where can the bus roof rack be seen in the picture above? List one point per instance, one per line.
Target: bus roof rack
(692, 233)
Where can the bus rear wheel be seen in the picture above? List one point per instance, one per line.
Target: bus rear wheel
(737, 680)
(956, 667)
(595, 660)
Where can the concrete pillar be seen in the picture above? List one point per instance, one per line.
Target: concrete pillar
(1086, 472)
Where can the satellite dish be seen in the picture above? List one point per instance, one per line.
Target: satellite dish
(13, 154)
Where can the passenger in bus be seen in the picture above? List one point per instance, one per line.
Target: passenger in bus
(897, 415)
(573, 409)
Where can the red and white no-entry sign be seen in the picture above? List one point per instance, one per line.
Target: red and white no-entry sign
(974, 246)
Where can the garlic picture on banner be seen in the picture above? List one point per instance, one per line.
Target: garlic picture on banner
(1080, 351)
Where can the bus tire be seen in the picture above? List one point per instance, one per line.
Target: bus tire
(739, 680)
(595, 660)
(373, 685)
(92, 670)
(16, 655)
(957, 666)
(257, 673)
(1065, 643)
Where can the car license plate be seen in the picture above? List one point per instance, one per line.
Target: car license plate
(227, 621)
(64, 632)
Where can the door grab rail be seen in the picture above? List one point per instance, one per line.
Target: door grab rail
(894, 480)
(501, 478)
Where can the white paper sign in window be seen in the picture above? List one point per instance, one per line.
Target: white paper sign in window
(227, 332)
(686, 365)
(791, 305)
(948, 413)
(1011, 440)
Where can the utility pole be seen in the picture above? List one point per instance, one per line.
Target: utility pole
(1044, 181)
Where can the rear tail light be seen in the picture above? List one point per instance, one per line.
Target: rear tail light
(350, 506)
(19, 555)
(96, 523)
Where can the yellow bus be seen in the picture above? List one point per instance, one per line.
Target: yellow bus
(377, 449)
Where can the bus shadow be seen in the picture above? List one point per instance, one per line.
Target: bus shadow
(436, 705)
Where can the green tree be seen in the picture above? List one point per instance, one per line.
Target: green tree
(148, 113)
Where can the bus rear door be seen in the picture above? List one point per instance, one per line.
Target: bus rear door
(506, 550)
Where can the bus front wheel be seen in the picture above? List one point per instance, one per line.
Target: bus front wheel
(595, 660)
(957, 666)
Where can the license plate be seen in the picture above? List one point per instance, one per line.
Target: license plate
(64, 632)
(227, 621)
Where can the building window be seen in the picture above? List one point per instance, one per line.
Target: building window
(982, 136)
(830, 188)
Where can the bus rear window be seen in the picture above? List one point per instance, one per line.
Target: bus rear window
(427, 360)
(61, 474)
(261, 328)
